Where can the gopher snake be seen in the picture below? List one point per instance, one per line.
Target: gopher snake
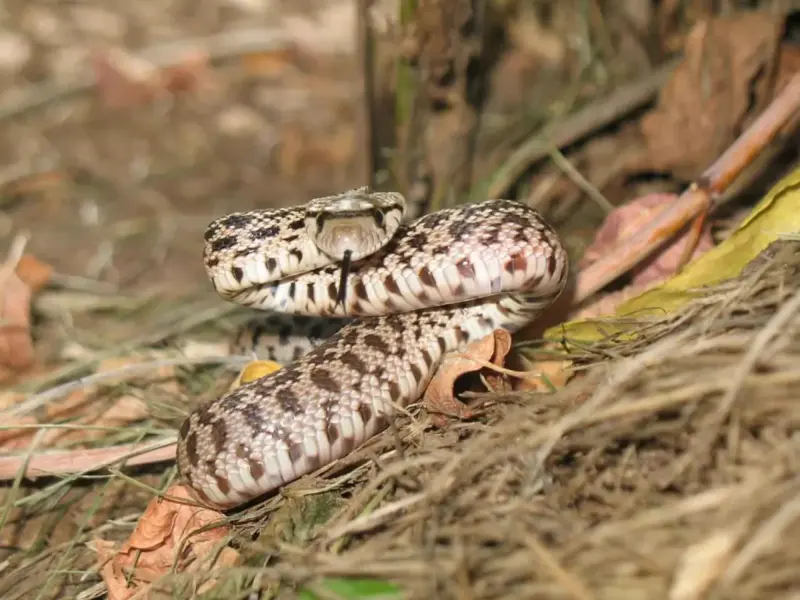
(419, 289)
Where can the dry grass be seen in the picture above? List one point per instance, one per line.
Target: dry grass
(660, 473)
(666, 468)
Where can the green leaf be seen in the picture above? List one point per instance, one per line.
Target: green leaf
(351, 589)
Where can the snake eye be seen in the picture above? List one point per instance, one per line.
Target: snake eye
(379, 217)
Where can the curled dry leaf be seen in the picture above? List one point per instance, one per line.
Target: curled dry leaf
(17, 286)
(625, 221)
(439, 396)
(151, 551)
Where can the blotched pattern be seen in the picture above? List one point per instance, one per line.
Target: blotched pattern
(443, 281)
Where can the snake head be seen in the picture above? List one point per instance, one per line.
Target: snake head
(355, 224)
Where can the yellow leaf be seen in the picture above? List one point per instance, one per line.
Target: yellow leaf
(778, 213)
(255, 370)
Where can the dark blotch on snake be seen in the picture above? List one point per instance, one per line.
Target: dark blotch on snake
(466, 269)
(241, 451)
(295, 225)
(191, 449)
(365, 411)
(310, 293)
(223, 244)
(360, 290)
(332, 433)
(442, 344)
(314, 462)
(390, 284)
(256, 469)
(219, 434)
(348, 443)
(222, 483)
(552, 264)
(333, 292)
(271, 264)
(238, 273)
(517, 263)
(394, 389)
(288, 400)
(375, 341)
(264, 233)
(234, 221)
(426, 277)
(297, 254)
(184, 428)
(415, 372)
(322, 378)
(295, 451)
(292, 289)
(351, 360)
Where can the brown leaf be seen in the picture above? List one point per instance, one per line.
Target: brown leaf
(16, 345)
(725, 81)
(627, 220)
(151, 550)
(439, 396)
(33, 273)
(86, 406)
(268, 64)
(556, 373)
(16, 289)
(124, 80)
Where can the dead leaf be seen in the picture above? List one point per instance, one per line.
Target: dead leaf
(16, 289)
(86, 406)
(268, 64)
(33, 273)
(553, 373)
(625, 221)
(124, 80)
(439, 396)
(164, 528)
(723, 83)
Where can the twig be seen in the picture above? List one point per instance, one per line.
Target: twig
(195, 319)
(578, 179)
(699, 197)
(577, 125)
(37, 400)
(368, 115)
(15, 253)
(70, 462)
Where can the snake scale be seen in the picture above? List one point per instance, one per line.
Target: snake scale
(415, 290)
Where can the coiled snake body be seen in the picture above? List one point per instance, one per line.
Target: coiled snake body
(419, 290)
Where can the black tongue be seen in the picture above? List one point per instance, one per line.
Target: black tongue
(342, 292)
